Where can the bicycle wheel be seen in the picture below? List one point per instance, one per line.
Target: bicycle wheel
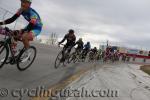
(57, 61)
(4, 53)
(66, 58)
(26, 58)
(105, 58)
(83, 57)
(75, 60)
(72, 57)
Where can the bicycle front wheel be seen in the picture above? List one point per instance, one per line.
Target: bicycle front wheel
(26, 58)
(58, 60)
(4, 53)
(72, 57)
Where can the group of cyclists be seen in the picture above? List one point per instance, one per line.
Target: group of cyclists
(84, 49)
(71, 42)
(34, 28)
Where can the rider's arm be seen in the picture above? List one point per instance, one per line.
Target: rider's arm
(33, 21)
(10, 20)
(77, 43)
(30, 26)
(65, 37)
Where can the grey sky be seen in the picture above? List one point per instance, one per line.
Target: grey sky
(125, 21)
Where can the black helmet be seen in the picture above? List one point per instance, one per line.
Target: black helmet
(71, 31)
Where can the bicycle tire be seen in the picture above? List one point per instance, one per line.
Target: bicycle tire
(20, 55)
(60, 53)
(3, 46)
(72, 57)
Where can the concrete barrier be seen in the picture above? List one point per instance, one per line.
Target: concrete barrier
(135, 59)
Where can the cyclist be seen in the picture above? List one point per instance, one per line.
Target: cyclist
(86, 49)
(108, 52)
(71, 38)
(117, 54)
(94, 50)
(34, 27)
(80, 45)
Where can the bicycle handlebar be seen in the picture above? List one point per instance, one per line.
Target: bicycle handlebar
(60, 44)
(8, 32)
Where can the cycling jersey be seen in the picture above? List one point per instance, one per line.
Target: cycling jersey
(87, 47)
(35, 23)
(80, 44)
(70, 39)
(94, 51)
(31, 16)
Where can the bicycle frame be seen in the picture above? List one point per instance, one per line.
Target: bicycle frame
(8, 42)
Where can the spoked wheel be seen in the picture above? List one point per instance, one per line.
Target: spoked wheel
(58, 60)
(26, 58)
(72, 58)
(66, 58)
(75, 60)
(4, 53)
(83, 57)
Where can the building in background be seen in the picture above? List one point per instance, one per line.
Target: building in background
(124, 49)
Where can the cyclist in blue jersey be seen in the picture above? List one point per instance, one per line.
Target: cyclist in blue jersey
(34, 27)
(86, 49)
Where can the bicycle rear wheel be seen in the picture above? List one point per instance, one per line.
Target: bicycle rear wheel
(26, 58)
(4, 53)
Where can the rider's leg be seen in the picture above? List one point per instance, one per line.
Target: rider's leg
(64, 49)
(26, 38)
(86, 52)
(77, 50)
(69, 50)
(63, 53)
(29, 36)
(16, 37)
(83, 53)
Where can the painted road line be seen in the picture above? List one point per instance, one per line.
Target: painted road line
(61, 85)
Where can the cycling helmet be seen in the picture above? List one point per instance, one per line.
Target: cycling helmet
(30, 1)
(80, 39)
(88, 42)
(71, 31)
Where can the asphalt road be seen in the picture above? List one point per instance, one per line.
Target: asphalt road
(41, 74)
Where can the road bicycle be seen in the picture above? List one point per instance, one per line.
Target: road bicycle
(23, 59)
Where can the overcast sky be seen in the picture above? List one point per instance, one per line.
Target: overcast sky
(124, 21)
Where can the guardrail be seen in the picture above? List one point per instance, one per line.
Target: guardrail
(135, 58)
